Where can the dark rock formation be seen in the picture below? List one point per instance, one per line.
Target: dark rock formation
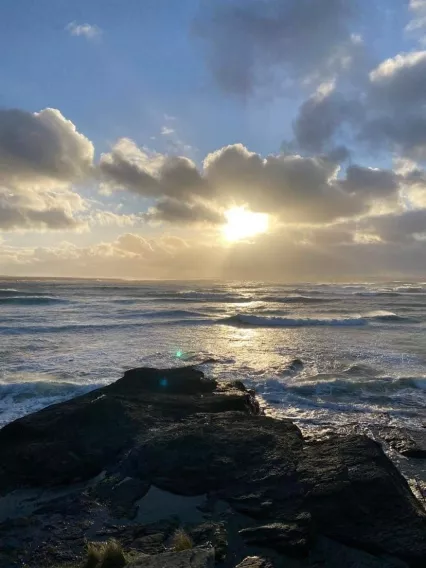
(409, 443)
(262, 485)
(196, 558)
(254, 562)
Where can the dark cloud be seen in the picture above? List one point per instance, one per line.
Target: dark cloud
(321, 118)
(42, 144)
(402, 135)
(149, 174)
(375, 182)
(179, 212)
(250, 43)
(397, 228)
(400, 82)
(293, 188)
(385, 113)
(12, 218)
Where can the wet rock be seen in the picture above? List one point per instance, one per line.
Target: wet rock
(409, 443)
(214, 534)
(121, 494)
(150, 544)
(254, 562)
(357, 497)
(296, 365)
(194, 558)
(171, 445)
(290, 538)
(77, 439)
(224, 453)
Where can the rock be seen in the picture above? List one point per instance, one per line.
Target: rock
(358, 497)
(290, 538)
(331, 554)
(296, 365)
(77, 439)
(254, 562)
(150, 544)
(172, 444)
(196, 456)
(194, 558)
(214, 533)
(409, 443)
(121, 494)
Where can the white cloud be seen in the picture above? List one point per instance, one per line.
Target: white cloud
(89, 31)
(111, 219)
(166, 131)
(41, 155)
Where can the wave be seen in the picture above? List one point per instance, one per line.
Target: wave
(258, 321)
(211, 298)
(30, 300)
(13, 292)
(21, 398)
(225, 299)
(384, 316)
(160, 314)
(340, 386)
(376, 293)
(295, 299)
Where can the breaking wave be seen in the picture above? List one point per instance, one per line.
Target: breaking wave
(248, 320)
(29, 300)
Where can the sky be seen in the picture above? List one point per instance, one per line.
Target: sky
(275, 140)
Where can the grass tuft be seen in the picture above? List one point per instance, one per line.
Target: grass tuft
(94, 555)
(181, 541)
(105, 555)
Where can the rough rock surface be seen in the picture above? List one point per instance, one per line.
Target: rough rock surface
(84, 469)
(195, 558)
(254, 562)
(409, 443)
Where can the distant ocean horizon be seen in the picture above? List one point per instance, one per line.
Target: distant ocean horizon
(326, 355)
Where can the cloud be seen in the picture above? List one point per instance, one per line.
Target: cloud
(346, 251)
(88, 31)
(383, 114)
(41, 155)
(251, 43)
(417, 25)
(374, 182)
(400, 80)
(25, 218)
(110, 219)
(43, 144)
(174, 211)
(322, 116)
(293, 188)
(149, 174)
(166, 131)
(397, 228)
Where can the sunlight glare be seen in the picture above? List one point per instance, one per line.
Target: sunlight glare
(242, 224)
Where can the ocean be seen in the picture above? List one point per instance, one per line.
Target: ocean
(324, 355)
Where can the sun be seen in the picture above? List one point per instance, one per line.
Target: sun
(242, 224)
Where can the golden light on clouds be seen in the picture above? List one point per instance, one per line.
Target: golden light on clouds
(242, 224)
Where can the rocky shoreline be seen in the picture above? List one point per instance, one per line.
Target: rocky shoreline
(161, 450)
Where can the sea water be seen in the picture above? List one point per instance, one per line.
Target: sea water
(362, 347)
